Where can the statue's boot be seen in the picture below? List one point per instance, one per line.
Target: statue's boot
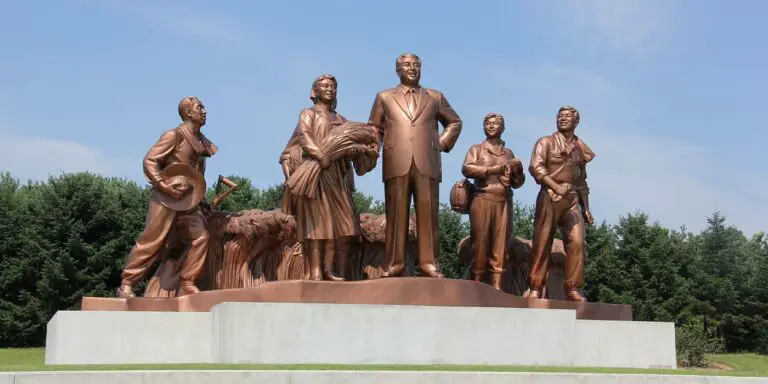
(430, 270)
(575, 295)
(495, 280)
(393, 271)
(534, 293)
(187, 288)
(312, 253)
(329, 256)
(125, 291)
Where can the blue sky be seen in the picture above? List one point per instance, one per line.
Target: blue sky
(671, 93)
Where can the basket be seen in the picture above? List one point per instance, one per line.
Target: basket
(461, 194)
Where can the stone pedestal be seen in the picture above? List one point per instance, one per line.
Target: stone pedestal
(471, 325)
(390, 334)
(75, 337)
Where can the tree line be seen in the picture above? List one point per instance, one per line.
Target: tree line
(68, 237)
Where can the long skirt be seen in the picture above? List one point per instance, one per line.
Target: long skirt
(331, 214)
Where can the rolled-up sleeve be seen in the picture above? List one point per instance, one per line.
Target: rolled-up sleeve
(306, 134)
(471, 169)
(156, 157)
(538, 165)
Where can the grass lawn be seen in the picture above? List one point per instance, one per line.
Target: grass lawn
(32, 359)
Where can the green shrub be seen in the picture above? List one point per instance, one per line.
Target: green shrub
(695, 342)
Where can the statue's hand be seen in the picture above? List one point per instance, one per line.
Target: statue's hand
(563, 189)
(514, 164)
(373, 150)
(286, 170)
(324, 161)
(588, 217)
(496, 170)
(175, 190)
(505, 180)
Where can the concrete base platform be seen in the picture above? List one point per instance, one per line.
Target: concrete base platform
(292, 333)
(357, 377)
(389, 291)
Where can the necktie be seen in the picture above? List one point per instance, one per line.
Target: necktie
(411, 102)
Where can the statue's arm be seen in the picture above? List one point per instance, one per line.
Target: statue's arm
(307, 135)
(376, 119)
(451, 124)
(350, 176)
(516, 174)
(285, 156)
(471, 169)
(538, 164)
(157, 155)
(582, 187)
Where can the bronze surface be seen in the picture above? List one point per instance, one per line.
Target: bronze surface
(558, 164)
(392, 291)
(496, 172)
(406, 120)
(192, 181)
(180, 151)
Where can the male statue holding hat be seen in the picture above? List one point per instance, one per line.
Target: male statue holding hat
(175, 167)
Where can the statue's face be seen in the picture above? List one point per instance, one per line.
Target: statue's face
(410, 70)
(326, 91)
(566, 121)
(493, 128)
(196, 113)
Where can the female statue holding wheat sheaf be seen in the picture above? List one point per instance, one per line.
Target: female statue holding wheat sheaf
(321, 186)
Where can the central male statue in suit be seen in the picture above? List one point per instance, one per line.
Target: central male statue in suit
(406, 117)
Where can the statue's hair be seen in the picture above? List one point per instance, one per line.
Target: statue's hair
(403, 56)
(185, 104)
(321, 78)
(570, 108)
(313, 92)
(492, 115)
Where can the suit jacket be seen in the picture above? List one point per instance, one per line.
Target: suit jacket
(408, 139)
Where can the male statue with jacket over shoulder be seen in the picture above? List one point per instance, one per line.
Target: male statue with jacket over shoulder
(559, 165)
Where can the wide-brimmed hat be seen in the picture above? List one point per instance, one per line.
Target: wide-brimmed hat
(183, 174)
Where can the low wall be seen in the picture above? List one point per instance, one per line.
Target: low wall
(357, 377)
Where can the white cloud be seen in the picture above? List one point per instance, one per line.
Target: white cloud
(633, 27)
(669, 179)
(37, 158)
(557, 82)
(210, 27)
(652, 174)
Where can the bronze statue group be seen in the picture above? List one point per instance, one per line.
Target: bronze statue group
(325, 149)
